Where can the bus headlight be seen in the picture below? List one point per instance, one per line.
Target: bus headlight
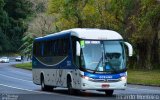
(123, 78)
(86, 77)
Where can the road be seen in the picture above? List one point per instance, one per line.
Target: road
(16, 84)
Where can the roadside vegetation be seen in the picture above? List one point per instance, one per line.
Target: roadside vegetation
(142, 77)
(27, 66)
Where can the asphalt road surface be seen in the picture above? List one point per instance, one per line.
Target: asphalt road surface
(16, 84)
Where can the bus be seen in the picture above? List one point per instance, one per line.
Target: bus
(81, 59)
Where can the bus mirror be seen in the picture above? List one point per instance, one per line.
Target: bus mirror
(130, 49)
(78, 48)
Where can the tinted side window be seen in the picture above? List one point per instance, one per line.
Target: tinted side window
(37, 49)
(53, 51)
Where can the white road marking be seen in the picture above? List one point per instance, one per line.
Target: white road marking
(22, 89)
(15, 78)
(45, 92)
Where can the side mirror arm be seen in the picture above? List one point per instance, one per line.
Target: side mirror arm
(130, 48)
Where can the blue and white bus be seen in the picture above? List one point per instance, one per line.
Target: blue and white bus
(81, 59)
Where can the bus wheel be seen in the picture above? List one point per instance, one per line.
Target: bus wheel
(77, 92)
(69, 86)
(109, 92)
(44, 87)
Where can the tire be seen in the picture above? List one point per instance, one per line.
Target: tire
(109, 92)
(69, 86)
(77, 92)
(44, 87)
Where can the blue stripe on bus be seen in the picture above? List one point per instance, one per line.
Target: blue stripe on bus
(63, 65)
(104, 76)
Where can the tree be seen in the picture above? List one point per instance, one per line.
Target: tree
(136, 20)
(26, 47)
(39, 6)
(41, 25)
(68, 12)
(146, 23)
(4, 41)
(13, 15)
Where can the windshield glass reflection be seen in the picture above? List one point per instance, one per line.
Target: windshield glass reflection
(102, 56)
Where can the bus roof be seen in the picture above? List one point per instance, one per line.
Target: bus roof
(86, 33)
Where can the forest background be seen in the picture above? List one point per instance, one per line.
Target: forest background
(138, 21)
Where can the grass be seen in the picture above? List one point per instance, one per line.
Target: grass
(151, 77)
(27, 66)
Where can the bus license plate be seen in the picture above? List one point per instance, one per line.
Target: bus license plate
(105, 85)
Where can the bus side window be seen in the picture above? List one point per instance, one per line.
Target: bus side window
(66, 46)
(52, 49)
(37, 49)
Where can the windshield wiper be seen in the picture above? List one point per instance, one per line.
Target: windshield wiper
(101, 59)
(98, 64)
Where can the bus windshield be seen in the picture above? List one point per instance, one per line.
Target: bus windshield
(102, 56)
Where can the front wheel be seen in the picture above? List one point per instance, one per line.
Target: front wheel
(109, 92)
(44, 87)
(69, 86)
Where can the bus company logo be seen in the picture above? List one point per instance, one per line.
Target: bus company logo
(104, 77)
(68, 63)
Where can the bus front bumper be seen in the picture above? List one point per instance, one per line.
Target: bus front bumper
(91, 85)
